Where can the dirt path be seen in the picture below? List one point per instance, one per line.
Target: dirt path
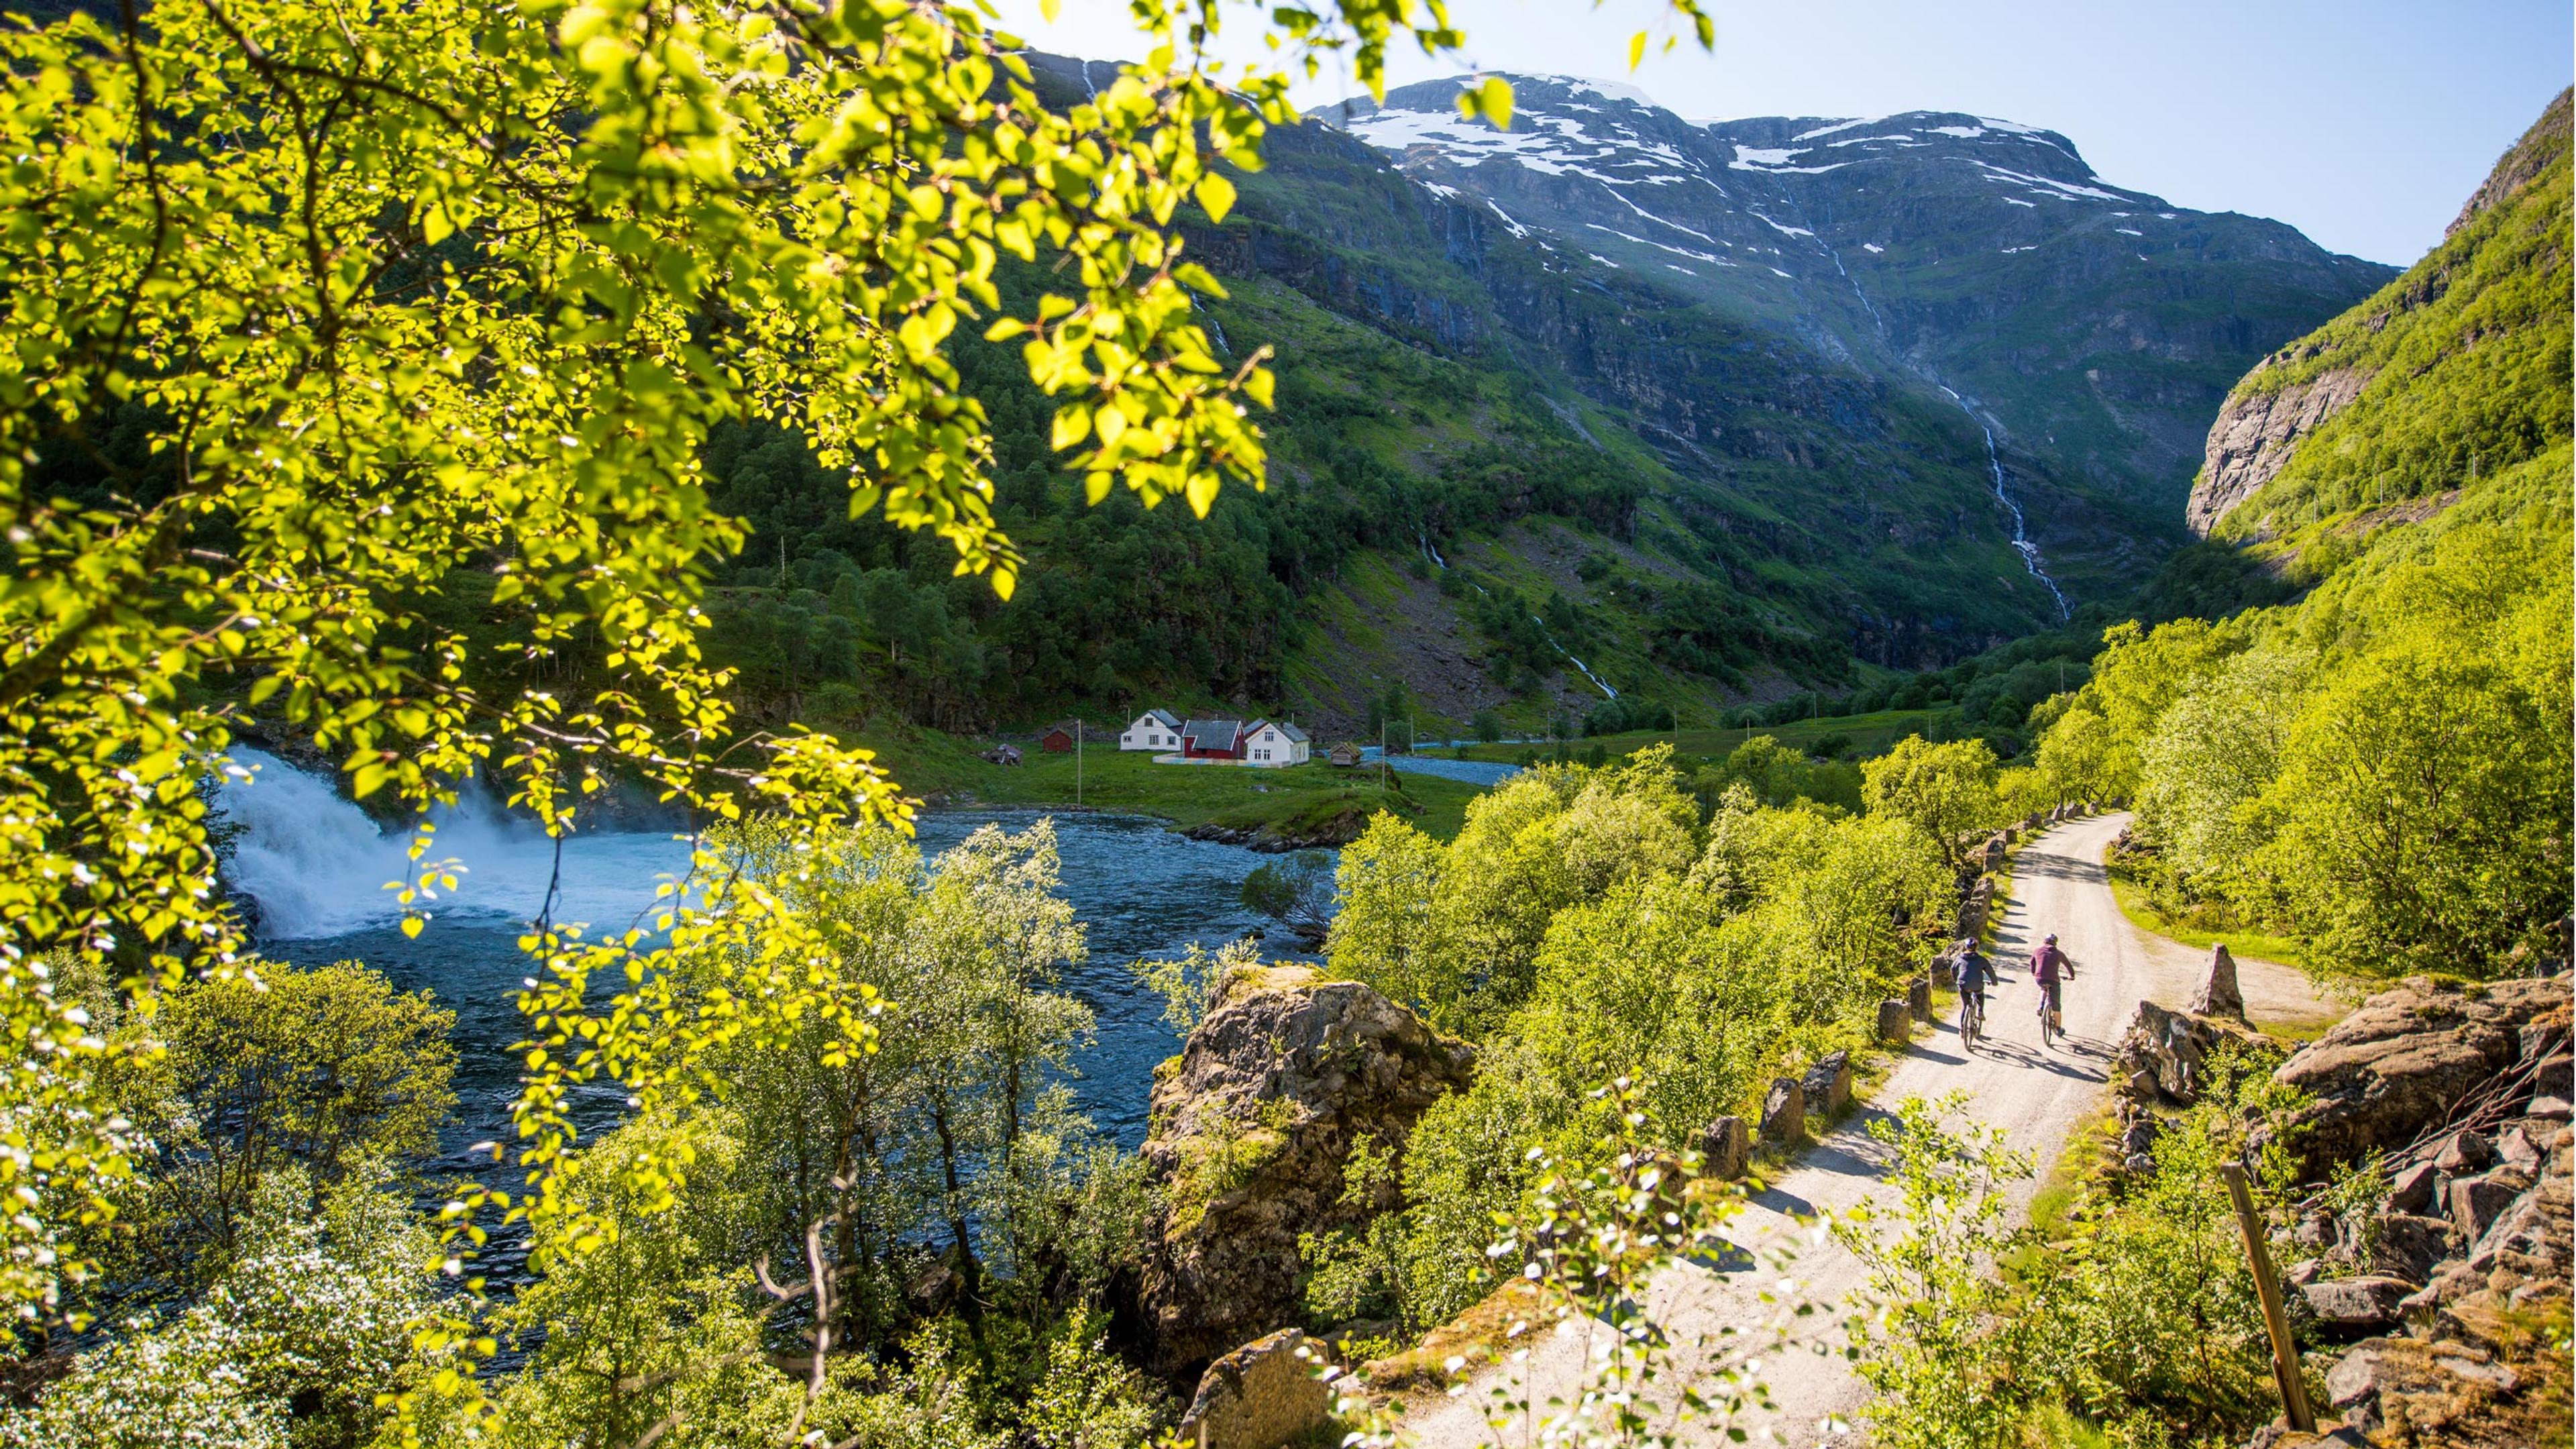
(2037, 1095)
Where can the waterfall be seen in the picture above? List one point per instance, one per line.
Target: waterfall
(2021, 543)
(1577, 663)
(319, 866)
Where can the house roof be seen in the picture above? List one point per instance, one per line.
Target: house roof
(1294, 734)
(1212, 734)
(1163, 717)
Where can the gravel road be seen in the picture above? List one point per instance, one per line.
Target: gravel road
(2037, 1095)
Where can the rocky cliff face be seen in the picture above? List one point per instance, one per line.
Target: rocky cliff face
(2254, 436)
(2423, 388)
(1252, 1127)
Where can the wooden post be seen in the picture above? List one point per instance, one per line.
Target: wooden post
(2267, 1286)
(1077, 760)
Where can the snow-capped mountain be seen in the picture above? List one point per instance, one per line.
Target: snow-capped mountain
(2091, 326)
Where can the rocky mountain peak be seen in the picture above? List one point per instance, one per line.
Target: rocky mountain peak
(1979, 260)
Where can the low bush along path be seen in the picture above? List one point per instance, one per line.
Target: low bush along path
(2037, 1095)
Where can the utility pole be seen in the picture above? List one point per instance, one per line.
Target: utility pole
(1381, 753)
(1077, 760)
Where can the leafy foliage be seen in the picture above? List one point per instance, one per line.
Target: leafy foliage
(1585, 923)
(2379, 767)
(314, 309)
(327, 1072)
(1947, 792)
(2138, 1316)
(288, 1348)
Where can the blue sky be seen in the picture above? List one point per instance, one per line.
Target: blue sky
(2364, 123)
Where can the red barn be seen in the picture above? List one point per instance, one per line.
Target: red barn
(1058, 739)
(1212, 739)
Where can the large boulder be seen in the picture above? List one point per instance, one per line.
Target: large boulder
(2356, 1307)
(1249, 1135)
(1263, 1395)
(2399, 1064)
(2174, 1047)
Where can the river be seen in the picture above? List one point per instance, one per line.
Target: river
(317, 866)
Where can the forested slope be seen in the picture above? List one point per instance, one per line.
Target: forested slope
(1494, 455)
(2380, 765)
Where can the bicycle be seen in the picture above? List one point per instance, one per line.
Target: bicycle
(1972, 1018)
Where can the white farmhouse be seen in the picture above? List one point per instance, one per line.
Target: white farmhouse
(1155, 729)
(1272, 743)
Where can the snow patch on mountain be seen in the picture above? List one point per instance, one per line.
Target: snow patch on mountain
(1837, 127)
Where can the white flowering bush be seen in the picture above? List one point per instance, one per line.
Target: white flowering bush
(287, 1350)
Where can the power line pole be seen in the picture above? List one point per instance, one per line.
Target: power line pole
(1077, 760)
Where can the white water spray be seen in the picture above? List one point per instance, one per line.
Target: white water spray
(318, 866)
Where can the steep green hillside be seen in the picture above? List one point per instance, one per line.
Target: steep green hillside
(2379, 767)
(2458, 369)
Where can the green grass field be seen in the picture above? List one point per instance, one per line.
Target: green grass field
(2142, 913)
(1865, 734)
(943, 771)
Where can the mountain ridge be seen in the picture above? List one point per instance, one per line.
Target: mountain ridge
(1912, 244)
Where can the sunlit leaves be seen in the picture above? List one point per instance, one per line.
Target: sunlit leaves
(395, 294)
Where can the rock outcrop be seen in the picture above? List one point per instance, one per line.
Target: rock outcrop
(2407, 1058)
(2219, 995)
(2465, 1358)
(2172, 1048)
(1263, 1395)
(2545, 142)
(1250, 1132)
(2257, 430)
(2452, 1281)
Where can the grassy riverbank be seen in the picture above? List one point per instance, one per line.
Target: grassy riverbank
(942, 770)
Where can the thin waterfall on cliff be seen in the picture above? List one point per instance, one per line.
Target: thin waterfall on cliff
(2021, 543)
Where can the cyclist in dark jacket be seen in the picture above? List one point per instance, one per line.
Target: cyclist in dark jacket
(1976, 973)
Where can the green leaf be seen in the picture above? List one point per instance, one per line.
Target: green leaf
(1216, 195)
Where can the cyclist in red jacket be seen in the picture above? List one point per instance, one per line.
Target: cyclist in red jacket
(2049, 967)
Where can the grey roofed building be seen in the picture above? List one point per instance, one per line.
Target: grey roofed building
(1212, 736)
(1165, 718)
(1292, 732)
